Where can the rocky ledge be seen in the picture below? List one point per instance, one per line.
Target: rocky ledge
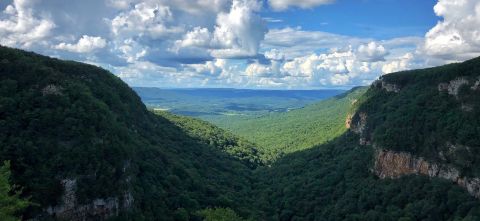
(389, 87)
(390, 164)
(98, 209)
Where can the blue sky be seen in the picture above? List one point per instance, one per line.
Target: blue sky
(379, 19)
(283, 44)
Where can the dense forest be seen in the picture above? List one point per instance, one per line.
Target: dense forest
(74, 134)
(434, 114)
(288, 132)
(62, 121)
(216, 137)
(334, 182)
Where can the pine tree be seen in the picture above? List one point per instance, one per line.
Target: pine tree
(10, 202)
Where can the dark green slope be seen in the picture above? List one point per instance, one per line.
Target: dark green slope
(218, 138)
(412, 112)
(64, 120)
(334, 182)
(435, 114)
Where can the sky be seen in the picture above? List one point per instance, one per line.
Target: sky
(269, 44)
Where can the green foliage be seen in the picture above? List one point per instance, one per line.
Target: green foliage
(11, 203)
(333, 182)
(67, 120)
(219, 214)
(283, 133)
(218, 138)
(427, 121)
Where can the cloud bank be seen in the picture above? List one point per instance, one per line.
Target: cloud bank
(227, 43)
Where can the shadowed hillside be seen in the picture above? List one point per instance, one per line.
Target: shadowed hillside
(82, 144)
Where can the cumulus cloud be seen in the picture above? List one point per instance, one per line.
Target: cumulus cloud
(184, 43)
(372, 52)
(21, 26)
(273, 70)
(329, 68)
(274, 54)
(280, 5)
(456, 37)
(295, 42)
(210, 68)
(145, 19)
(399, 64)
(237, 34)
(85, 44)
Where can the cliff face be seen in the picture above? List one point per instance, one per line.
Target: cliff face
(100, 208)
(407, 115)
(390, 164)
(359, 127)
(389, 87)
(453, 86)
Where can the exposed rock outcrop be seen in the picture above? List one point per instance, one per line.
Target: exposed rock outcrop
(453, 86)
(476, 85)
(359, 127)
(52, 90)
(348, 121)
(101, 208)
(390, 164)
(389, 87)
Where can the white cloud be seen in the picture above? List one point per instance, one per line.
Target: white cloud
(274, 54)
(399, 64)
(181, 43)
(280, 5)
(198, 37)
(237, 34)
(457, 37)
(22, 27)
(210, 68)
(339, 79)
(265, 71)
(145, 19)
(85, 44)
(330, 68)
(372, 52)
(295, 42)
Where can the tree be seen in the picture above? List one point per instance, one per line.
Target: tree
(219, 214)
(10, 202)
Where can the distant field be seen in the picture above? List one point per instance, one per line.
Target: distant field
(217, 104)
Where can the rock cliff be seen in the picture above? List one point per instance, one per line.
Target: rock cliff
(359, 127)
(453, 86)
(101, 208)
(390, 164)
(389, 87)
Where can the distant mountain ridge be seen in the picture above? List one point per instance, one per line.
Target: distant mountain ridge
(214, 104)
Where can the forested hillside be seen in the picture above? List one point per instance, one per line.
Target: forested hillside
(433, 113)
(411, 154)
(81, 144)
(334, 182)
(218, 138)
(284, 133)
